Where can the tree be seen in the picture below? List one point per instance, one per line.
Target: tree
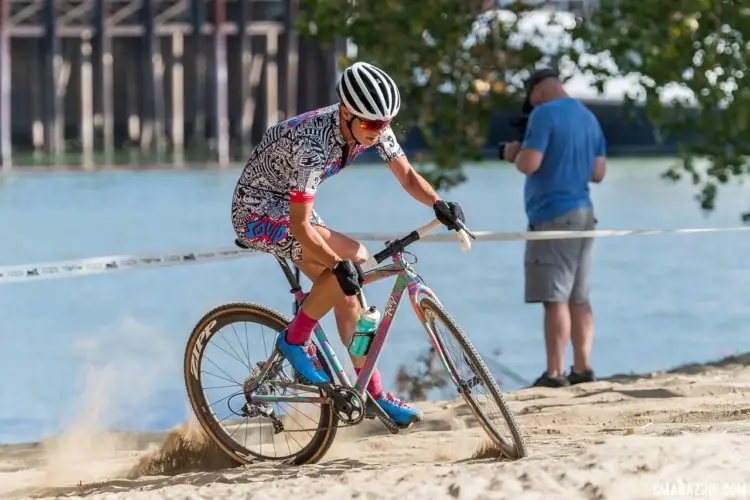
(452, 61)
(699, 46)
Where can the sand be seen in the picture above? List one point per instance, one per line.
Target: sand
(683, 433)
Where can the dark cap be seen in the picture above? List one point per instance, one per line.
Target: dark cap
(535, 78)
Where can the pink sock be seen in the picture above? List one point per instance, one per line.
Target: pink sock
(374, 387)
(300, 329)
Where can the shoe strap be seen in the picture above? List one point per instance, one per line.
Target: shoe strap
(388, 396)
(312, 355)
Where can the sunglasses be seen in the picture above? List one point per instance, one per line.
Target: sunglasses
(373, 125)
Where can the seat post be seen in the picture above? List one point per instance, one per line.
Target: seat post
(295, 305)
(292, 278)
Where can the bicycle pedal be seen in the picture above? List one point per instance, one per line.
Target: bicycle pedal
(409, 423)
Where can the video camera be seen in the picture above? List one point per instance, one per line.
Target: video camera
(519, 123)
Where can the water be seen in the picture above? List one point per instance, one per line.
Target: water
(108, 349)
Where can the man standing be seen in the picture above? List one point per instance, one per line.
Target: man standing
(562, 151)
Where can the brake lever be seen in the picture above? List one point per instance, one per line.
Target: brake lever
(461, 225)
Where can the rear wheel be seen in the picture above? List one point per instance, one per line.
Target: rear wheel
(467, 367)
(217, 363)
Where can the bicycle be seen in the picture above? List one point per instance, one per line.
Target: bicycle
(266, 386)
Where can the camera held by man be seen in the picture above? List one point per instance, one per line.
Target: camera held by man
(519, 123)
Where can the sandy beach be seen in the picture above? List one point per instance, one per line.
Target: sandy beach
(681, 433)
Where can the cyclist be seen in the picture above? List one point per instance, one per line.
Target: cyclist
(272, 211)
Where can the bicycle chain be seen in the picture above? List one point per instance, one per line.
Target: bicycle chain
(342, 421)
(339, 426)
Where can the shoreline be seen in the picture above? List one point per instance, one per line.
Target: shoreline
(169, 164)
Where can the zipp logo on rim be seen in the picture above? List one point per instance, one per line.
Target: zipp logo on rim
(198, 347)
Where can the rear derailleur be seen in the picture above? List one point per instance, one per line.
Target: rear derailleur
(254, 409)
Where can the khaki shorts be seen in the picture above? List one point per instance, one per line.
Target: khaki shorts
(559, 270)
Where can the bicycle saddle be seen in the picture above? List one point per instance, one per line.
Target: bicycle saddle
(240, 243)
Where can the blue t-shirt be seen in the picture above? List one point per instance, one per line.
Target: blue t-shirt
(569, 136)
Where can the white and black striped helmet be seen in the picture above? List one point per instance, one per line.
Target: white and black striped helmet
(368, 92)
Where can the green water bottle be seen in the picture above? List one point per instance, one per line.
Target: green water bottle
(364, 332)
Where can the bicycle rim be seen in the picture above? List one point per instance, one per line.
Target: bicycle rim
(228, 432)
(513, 448)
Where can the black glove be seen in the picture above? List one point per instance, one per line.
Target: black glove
(350, 276)
(448, 213)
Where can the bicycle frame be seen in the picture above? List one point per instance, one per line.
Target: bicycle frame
(406, 280)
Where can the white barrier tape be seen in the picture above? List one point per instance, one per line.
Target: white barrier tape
(99, 265)
(546, 235)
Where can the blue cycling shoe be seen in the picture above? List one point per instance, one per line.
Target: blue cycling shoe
(399, 411)
(303, 359)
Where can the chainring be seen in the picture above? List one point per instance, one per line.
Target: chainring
(348, 405)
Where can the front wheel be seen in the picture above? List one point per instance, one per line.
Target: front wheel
(467, 367)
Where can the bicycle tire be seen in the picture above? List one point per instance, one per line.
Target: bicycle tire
(513, 451)
(225, 315)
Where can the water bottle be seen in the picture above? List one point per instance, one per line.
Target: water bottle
(364, 332)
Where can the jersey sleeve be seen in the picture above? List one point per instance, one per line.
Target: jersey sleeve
(538, 131)
(388, 147)
(601, 149)
(309, 159)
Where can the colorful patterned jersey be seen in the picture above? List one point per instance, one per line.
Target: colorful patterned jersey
(288, 165)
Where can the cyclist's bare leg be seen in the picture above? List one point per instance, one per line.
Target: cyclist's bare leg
(326, 292)
(347, 309)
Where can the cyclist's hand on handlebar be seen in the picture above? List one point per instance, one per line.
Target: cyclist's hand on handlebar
(350, 276)
(448, 212)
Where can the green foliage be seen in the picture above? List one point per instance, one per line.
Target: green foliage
(699, 44)
(450, 80)
(460, 79)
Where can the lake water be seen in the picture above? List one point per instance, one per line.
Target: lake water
(107, 349)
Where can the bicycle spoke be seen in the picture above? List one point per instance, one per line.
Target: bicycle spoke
(221, 370)
(263, 336)
(204, 372)
(236, 356)
(244, 351)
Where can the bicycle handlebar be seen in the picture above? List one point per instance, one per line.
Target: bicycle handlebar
(462, 233)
